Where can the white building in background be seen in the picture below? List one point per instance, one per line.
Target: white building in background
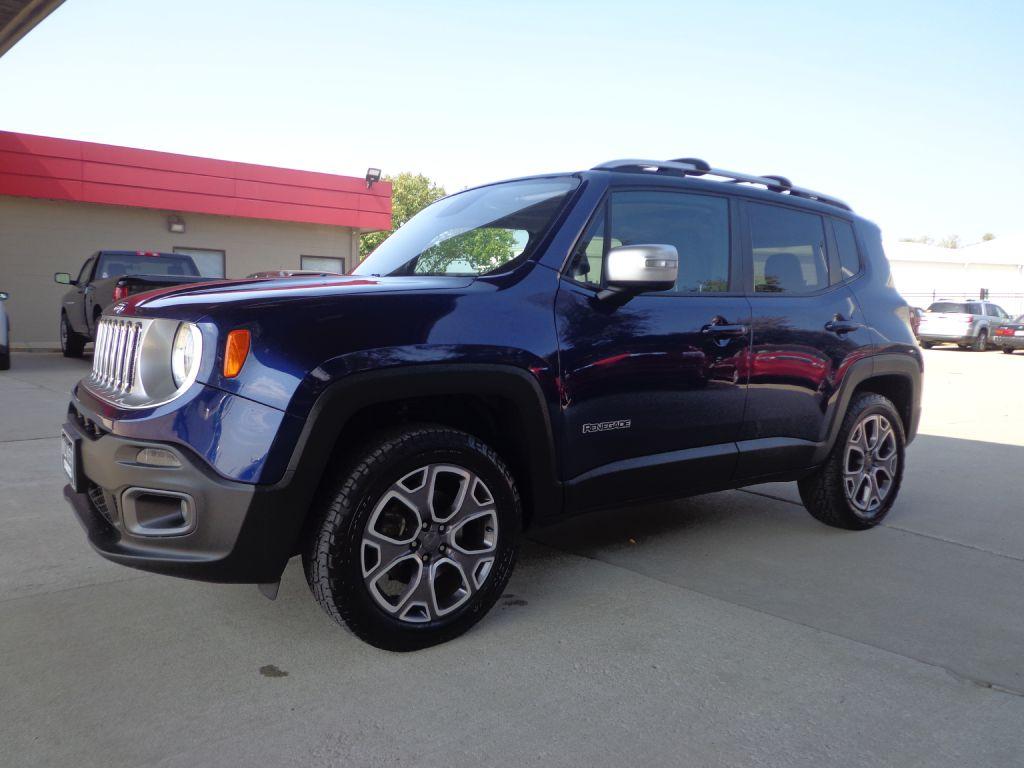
(924, 273)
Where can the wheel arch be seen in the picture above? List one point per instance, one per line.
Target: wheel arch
(502, 405)
(895, 376)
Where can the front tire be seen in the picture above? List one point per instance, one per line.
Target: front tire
(71, 344)
(927, 344)
(858, 483)
(415, 537)
(5, 361)
(1007, 350)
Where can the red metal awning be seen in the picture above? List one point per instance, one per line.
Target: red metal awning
(79, 171)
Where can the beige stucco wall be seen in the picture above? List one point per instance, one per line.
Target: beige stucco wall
(40, 237)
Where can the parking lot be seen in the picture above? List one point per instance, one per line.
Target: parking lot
(723, 630)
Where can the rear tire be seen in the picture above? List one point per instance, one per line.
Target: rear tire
(424, 491)
(981, 343)
(927, 344)
(71, 343)
(5, 361)
(856, 486)
(1007, 350)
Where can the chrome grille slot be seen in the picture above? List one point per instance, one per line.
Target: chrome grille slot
(115, 360)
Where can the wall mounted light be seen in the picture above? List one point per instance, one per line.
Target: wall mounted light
(175, 223)
(372, 176)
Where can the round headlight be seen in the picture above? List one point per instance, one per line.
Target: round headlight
(186, 350)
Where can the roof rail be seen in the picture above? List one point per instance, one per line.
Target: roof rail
(692, 166)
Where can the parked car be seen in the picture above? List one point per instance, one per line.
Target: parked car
(968, 324)
(5, 334)
(524, 351)
(916, 313)
(1009, 335)
(111, 276)
(291, 273)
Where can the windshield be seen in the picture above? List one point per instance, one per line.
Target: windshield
(948, 306)
(473, 232)
(121, 264)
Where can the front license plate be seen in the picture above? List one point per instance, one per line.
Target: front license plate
(68, 458)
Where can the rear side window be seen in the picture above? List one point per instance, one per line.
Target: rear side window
(788, 250)
(697, 225)
(122, 264)
(948, 306)
(846, 244)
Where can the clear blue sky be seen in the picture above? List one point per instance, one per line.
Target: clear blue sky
(912, 111)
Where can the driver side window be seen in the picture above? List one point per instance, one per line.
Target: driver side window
(588, 263)
(697, 225)
(84, 274)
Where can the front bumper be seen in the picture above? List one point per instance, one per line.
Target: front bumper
(236, 532)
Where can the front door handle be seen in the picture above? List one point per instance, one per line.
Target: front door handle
(724, 330)
(841, 326)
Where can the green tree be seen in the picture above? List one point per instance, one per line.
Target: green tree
(950, 241)
(988, 236)
(922, 239)
(410, 194)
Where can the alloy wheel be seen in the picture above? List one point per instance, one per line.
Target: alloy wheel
(429, 543)
(869, 464)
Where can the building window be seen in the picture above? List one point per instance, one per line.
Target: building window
(322, 264)
(210, 263)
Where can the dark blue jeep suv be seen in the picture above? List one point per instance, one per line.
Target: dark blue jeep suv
(515, 353)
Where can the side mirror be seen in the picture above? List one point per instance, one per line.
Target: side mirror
(4, 295)
(62, 277)
(640, 268)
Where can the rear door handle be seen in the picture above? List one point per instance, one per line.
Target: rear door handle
(724, 330)
(842, 326)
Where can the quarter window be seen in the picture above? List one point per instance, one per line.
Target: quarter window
(588, 262)
(697, 225)
(846, 244)
(788, 249)
(84, 274)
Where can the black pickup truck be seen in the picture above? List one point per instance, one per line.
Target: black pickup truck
(106, 278)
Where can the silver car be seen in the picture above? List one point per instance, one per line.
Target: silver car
(968, 324)
(5, 334)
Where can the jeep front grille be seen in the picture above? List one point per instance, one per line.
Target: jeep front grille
(116, 357)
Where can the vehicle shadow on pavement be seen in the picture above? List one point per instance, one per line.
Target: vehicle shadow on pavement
(941, 580)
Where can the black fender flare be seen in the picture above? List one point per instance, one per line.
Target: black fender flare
(340, 401)
(906, 366)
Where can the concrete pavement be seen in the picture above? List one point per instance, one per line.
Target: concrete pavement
(725, 630)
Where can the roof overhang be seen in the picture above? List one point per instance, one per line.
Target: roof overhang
(19, 17)
(80, 171)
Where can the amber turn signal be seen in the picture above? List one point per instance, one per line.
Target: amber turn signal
(235, 351)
